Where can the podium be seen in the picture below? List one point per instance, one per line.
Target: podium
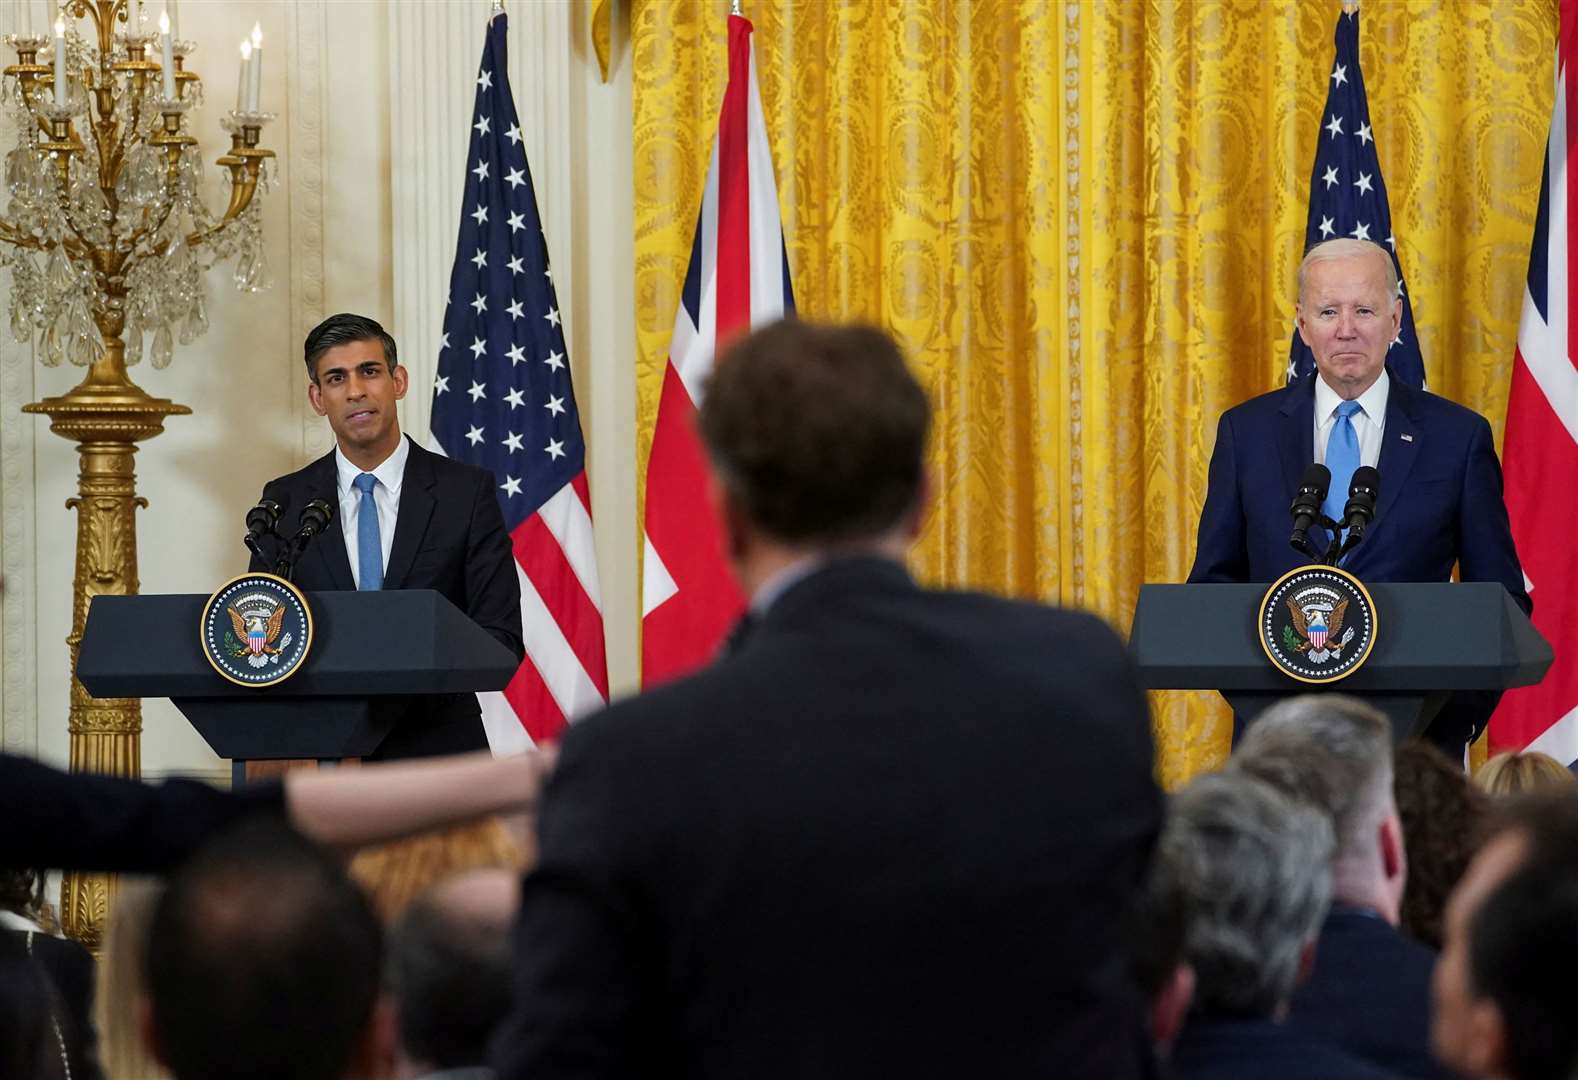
(370, 652)
(1432, 640)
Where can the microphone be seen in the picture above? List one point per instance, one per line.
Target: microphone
(261, 522)
(1306, 507)
(1363, 493)
(314, 519)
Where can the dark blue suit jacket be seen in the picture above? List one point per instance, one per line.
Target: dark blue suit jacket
(1369, 994)
(1441, 500)
(1213, 1047)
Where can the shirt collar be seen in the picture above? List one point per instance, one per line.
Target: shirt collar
(389, 472)
(1372, 401)
(782, 581)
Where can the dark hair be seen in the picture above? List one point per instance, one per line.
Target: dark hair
(263, 960)
(22, 892)
(450, 977)
(1523, 949)
(342, 329)
(29, 1043)
(1443, 816)
(817, 432)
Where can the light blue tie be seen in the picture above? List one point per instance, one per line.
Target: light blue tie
(369, 543)
(1342, 458)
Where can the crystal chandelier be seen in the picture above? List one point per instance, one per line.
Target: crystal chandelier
(106, 234)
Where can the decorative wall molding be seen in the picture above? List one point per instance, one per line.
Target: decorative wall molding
(306, 124)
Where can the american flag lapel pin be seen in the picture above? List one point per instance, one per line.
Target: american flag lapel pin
(1407, 437)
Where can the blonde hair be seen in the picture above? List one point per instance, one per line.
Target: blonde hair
(395, 874)
(1523, 773)
(122, 1052)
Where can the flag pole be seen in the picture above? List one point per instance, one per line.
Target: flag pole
(734, 9)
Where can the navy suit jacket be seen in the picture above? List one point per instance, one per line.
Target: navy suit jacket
(1441, 497)
(449, 537)
(1369, 994)
(1214, 1047)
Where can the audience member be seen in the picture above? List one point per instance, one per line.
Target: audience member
(396, 873)
(1443, 817)
(894, 832)
(31, 1046)
(1504, 988)
(81, 821)
(449, 975)
(26, 919)
(1157, 955)
(1369, 991)
(267, 964)
(1524, 773)
(1256, 871)
(115, 1007)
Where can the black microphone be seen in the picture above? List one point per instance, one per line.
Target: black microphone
(314, 519)
(261, 522)
(1306, 507)
(1363, 494)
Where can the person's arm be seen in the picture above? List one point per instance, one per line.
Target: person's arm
(1485, 548)
(493, 591)
(1221, 553)
(385, 801)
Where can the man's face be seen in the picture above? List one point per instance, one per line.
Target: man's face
(1348, 318)
(1465, 1032)
(356, 390)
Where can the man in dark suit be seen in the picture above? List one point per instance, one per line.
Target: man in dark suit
(893, 833)
(1255, 869)
(1441, 496)
(404, 518)
(1369, 990)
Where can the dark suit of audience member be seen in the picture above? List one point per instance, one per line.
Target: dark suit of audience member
(1258, 1048)
(69, 968)
(892, 834)
(440, 526)
(1370, 993)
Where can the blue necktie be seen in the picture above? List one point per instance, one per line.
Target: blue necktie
(369, 544)
(1342, 458)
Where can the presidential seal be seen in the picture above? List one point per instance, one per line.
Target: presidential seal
(1317, 624)
(256, 630)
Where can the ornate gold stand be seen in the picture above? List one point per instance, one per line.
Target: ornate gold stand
(107, 415)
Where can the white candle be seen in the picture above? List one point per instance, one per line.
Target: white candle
(166, 56)
(241, 80)
(175, 19)
(60, 62)
(255, 83)
(131, 17)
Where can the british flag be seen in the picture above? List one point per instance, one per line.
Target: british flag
(738, 278)
(1541, 448)
(503, 400)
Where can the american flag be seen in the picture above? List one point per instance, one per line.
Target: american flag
(1348, 197)
(1541, 450)
(503, 400)
(738, 278)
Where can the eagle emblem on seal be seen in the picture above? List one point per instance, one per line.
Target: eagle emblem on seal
(1317, 621)
(256, 629)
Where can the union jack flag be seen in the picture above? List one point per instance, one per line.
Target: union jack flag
(1541, 448)
(503, 400)
(1348, 196)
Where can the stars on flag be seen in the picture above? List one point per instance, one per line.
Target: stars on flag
(1363, 183)
(556, 406)
(481, 125)
(516, 224)
(1326, 227)
(1331, 175)
(474, 436)
(512, 442)
(1335, 127)
(1363, 134)
(480, 303)
(514, 310)
(477, 392)
(485, 80)
(554, 449)
(478, 348)
(555, 361)
(516, 354)
(1339, 75)
(511, 486)
(515, 178)
(515, 398)
(480, 259)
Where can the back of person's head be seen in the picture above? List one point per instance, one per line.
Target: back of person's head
(396, 873)
(22, 893)
(1157, 936)
(263, 961)
(1255, 868)
(119, 985)
(30, 1044)
(449, 970)
(817, 433)
(1523, 950)
(1334, 753)
(1525, 773)
(1443, 817)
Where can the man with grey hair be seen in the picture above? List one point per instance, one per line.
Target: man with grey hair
(1440, 490)
(1255, 869)
(1369, 991)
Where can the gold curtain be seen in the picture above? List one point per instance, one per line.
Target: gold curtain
(1083, 221)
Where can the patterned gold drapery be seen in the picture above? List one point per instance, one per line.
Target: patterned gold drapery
(1083, 221)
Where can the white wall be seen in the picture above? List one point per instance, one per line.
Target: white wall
(374, 102)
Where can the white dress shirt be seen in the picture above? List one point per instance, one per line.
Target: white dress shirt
(1369, 423)
(386, 496)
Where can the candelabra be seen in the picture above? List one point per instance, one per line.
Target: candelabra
(107, 238)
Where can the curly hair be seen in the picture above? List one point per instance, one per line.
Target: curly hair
(1444, 820)
(22, 892)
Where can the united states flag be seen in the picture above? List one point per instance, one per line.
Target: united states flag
(503, 400)
(738, 278)
(1541, 450)
(1348, 197)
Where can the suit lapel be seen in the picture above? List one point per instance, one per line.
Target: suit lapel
(324, 483)
(416, 509)
(1295, 435)
(1400, 444)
